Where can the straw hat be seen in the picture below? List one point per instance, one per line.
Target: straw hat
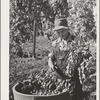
(60, 24)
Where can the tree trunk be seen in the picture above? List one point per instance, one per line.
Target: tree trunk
(34, 39)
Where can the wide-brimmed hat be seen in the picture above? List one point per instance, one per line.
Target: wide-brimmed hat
(60, 24)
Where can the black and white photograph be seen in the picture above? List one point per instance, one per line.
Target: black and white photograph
(52, 50)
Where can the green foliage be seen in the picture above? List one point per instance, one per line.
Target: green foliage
(44, 84)
(23, 13)
(81, 19)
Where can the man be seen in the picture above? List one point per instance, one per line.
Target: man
(59, 56)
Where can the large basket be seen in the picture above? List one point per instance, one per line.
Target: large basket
(21, 96)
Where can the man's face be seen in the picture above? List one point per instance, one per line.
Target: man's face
(63, 33)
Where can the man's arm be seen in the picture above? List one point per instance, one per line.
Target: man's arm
(51, 61)
(51, 55)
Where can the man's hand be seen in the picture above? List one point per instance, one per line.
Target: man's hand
(50, 64)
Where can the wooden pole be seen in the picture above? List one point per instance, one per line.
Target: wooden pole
(34, 39)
